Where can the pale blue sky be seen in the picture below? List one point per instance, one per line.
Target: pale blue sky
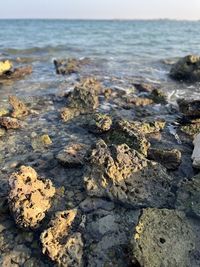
(101, 9)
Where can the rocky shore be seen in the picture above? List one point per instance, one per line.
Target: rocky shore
(99, 176)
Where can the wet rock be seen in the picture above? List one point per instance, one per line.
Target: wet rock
(40, 142)
(158, 96)
(62, 241)
(140, 101)
(5, 66)
(16, 73)
(84, 97)
(4, 112)
(196, 152)
(162, 238)
(69, 113)
(29, 197)
(170, 159)
(16, 257)
(145, 87)
(123, 133)
(19, 108)
(189, 107)
(10, 123)
(67, 66)
(73, 155)
(186, 69)
(99, 123)
(191, 127)
(125, 176)
(92, 204)
(91, 83)
(188, 196)
(2, 132)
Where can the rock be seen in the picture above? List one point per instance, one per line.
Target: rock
(62, 241)
(91, 83)
(29, 198)
(68, 66)
(124, 133)
(186, 69)
(40, 142)
(158, 96)
(170, 159)
(73, 155)
(4, 112)
(10, 123)
(69, 113)
(99, 123)
(2, 132)
(19, 108)
(189, 107)
(145, 87)
(191, 128)
(196, 152)
(188, 196)
(93, 204)
(5, 66)
(162, 238)
(17, 73)
(140, 101)
(125, 176)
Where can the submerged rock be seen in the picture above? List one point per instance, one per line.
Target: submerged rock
(10, 123)
(196, 152)
(189, 107)
(73, 155)
(188, 199)
(158, 96)
(62, 241)
(29, 197)
(5, 66)
(162, 238)
(19, 108)
(170, 159)
(186, 69)
(40, 142)
(125, 176)
(99, 123)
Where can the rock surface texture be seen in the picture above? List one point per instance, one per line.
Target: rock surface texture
(125, 176)
(61, 242)
(29, 197)
(162, 238)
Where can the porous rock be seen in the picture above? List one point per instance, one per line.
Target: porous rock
(73, 155)
(19, 108)
(124, 175)
(99, 123)
(186, 69)
(69, 113)
(29, 197)
(162, 238)
(170, 159)
(62, 241)
(188, 199)
(10, 123)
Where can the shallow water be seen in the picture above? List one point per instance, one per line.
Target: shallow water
(117, 48)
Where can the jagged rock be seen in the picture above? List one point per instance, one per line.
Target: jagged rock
(5, 66)
(19, 108)
(158, 96)
(69, 113)
(125, 176)
(70, 65)
(29, 197)
(84, 98)
(140, 101)
(16, 73)
(186, 69)
(188, 199)
(62, 241)
(189, 107)
(170, 159)
(162, 238)
(196, 152)
(99, 123)
(144, 87)
(191, 128)
(40, 142)
(72, 155)
(10, 123)
(124, 133)
(91, 83)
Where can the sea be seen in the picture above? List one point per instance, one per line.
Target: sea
(137, 49)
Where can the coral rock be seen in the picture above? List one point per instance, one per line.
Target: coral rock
(186, 69)
(125, 176)
(10, 123)
(100, 123)
(19, 108)
(69, 113)
(29, 197)
(62, 241)
(72, 155)
(162, 238)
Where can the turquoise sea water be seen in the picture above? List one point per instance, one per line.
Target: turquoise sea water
(119, 48)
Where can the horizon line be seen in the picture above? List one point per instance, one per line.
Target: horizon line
(103, 19)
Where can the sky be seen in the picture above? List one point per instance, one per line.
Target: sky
(101, 9)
